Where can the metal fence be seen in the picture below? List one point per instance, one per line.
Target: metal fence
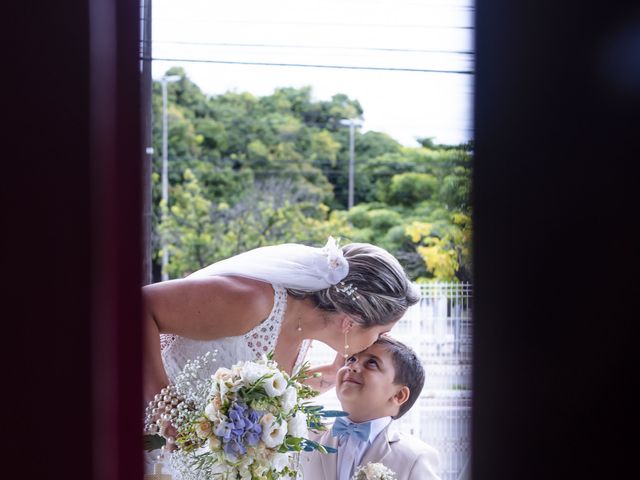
(439, 329)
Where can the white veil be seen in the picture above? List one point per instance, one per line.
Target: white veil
(290, 265)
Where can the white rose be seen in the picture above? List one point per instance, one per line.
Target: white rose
(222, 374)
(214, 390)
(297, 425)
(210, 411)
(237, 385)
(279, 461)
(289, 398)
(253, 371)
(275, 385)
(272, 432)
(236, 369)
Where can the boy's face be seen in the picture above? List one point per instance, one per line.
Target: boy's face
(365, 385)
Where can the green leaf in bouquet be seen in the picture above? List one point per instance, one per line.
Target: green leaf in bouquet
(333, 413)
(302, 374)
(312, 408)
(153, 442)
(310, 445)
(295, 441)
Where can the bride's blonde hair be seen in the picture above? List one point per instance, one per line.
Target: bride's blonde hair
(382, 292)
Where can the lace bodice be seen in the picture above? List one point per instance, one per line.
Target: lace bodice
(176, 350)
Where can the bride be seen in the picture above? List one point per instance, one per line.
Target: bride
(276, 298)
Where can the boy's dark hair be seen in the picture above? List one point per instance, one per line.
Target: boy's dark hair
(409, 369)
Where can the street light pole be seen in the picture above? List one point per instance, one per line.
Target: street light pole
(352, 133)
(352, 128)
(165, 165)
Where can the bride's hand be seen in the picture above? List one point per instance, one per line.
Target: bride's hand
(169, 432)
(159, 413)
(327, 378)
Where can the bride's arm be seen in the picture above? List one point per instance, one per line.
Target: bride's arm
(327, 378)
(154, 375)
(202, 309)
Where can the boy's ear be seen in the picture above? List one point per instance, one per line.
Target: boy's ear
(401, 395)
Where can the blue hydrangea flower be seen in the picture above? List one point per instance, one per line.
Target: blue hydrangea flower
(242, 430)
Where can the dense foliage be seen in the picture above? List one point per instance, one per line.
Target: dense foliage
(248, 171)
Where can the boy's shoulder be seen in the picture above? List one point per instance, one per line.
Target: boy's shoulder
(410, 444)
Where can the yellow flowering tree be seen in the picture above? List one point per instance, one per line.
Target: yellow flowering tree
(445, 250)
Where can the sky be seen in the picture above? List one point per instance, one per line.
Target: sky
(403, 49)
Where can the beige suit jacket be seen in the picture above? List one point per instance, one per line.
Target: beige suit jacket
(408, 456)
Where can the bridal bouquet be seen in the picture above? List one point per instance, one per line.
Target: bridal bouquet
(373, 471)
(245, 423)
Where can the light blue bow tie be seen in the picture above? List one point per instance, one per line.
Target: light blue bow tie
(342, 427)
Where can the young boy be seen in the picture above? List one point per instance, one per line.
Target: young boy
(376, 386)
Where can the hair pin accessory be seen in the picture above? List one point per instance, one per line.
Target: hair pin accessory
(349, 290)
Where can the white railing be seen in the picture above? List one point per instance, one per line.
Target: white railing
(439, 329)
(442, 322)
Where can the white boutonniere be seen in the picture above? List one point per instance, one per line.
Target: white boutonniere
(373, 471)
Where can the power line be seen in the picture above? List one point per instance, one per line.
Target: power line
(303, 65)
(263, 45)
(445, 5)
(318, 24)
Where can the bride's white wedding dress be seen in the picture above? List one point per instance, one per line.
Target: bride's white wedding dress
(177, 350)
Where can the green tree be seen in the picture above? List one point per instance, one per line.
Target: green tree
(189, 228)
(410, 188)
(247, 171)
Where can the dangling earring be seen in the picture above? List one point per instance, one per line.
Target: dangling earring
(299, 325)
(346, 345)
